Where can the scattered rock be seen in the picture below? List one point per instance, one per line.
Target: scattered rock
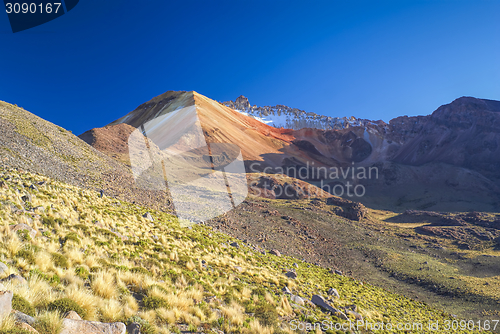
(21, 227)
(333, 292)
(347, 209)
(70, 326)
(286, 290)
(234, 244)
(297, 300)
(355, 314)
(39, 209)
(321, 302)
(134, 328)
(14, 278)
(275, 252)
(238, 268)
(3, 269)
(291, 274)
(33, 187)
(26, 198)
(26, 327)
(5, 303)
(295, 265)
(72, 315)
(23, 318)
(148, 216)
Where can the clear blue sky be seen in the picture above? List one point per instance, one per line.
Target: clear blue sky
(373, 59)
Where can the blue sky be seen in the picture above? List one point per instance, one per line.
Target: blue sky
(370, 59)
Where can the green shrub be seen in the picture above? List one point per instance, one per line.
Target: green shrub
(171, 274)
(27, 255)
(146, 327)
(140, 270)
(260, 291)
(37, 272)
(14, 331)
(64, 305)
(22, 305)
(49, 221)
(60, 260)
(72, 237)
(48, 323)
(152, 303)
(24, 235)
(82, 272)
(55, 279)
(82, 227)
(266, 314)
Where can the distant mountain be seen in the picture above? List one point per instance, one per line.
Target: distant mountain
(281, 116)
(446, 161)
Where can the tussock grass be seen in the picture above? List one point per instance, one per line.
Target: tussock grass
(184, 276)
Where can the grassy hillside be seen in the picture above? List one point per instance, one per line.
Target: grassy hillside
(105, 257)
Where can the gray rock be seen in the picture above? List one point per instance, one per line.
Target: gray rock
(134, 328)
(286, 290)
(291, 274)
(234, 244)
(5, 303)
(333, 292)
(21, 227)
(3, 269)
(295, 265)
(33, 187)
(15, 279)
(70, 326)
(338, 272)
(148, 216)
(321, 302)
(297, 300)
(21, 317)
(238, 268)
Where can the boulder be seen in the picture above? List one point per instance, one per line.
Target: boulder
(355, 314)
(275, 252)
(70, 326)
(23, 318)
(22, 227)
(5, 303)
(18, 279)
(291, 274)
(134, 328)
(234, 244)
(26, 327)
(72, 315)
(297, 300)
(333, 292)
(321, 302)
(3, 269)
(148, 216)
(286, 290)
